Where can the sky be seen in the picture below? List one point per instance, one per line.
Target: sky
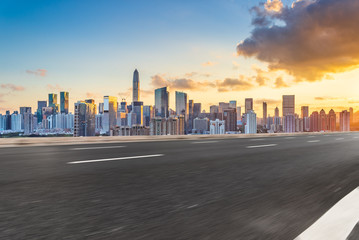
(214, 50)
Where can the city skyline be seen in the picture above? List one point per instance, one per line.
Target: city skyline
(201, 64)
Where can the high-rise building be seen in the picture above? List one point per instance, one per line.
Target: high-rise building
(190, 116)
(217, 127)
(223, 106)
(136, 87)
(40, 105)
(288, 106)
(24, 110)
(53, 102)
(201, 125)
(322, 124)
(110, 113)
(332, 121)
(344, 124)
(351, 111)
(304, 111)
(16, 121)
(148, 114)
(248, 105)
(165, 126)
(239, 113)
(197, 107)
(101, 108)
(213, 109)
(230, 118)
(85, 118)
(181, 104)
(162, 102)
(64, 102)
(289, 123)
(265, 114)
(137, 108)
(314, 122)
(276, 112)
(250, 122)
(233, 104)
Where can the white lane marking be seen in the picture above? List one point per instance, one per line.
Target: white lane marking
(90, 148)
(115, 159)
(260, 146)
(356, 137)
(337, 222)
(204, 142)
(193, 206)
(313, 141)
(289, 138)
(256, 139)
(339, 139)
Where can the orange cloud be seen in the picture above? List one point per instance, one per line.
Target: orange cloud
(209, 63)
(313, 40)
(12, 87)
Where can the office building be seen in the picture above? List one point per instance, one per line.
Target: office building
(250, 122)
(230, 118)
(148, 114)
(322, 124)
(264, 114)
(137, 108)
(314, 122)
(248, 104)
(213, 109)
(289, 123)
(233, 104)
(200, 125)
(64, 102)
(101, 108)
(162, 102)
(110, 113)
(239, 113)
(181, 104)
(85, 118)
(332, 121)
(288, 105)
(53, 102)
(223, 106)
(344, 122)
(304, 111)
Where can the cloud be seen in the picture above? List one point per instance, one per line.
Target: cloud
(55, 87)
(38, 72)
(273, 5)
(308, 40)
(279, 83)
(268, 101)
(180, 83)
(234, 84)
(260, 77)
(208, 64)
(326, 98)
(12, 87)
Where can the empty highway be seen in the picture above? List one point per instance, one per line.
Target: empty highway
(278, 187)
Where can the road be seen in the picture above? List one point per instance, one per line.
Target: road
(235, 188)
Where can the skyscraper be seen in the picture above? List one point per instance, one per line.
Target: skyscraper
(230, 118)
(40, 105)
(344, 125)
(276, 112)
(304, 111)
(64, 102)
(265, 114)
(110, 113)
(288, 106)
(197, 107)
(332, 121)
(248, 104)
(181, 104)
(161, 102)
(289, 123)
(137, 108)
(136, 87)
(85, 118)
(53, 102)
(351, 111)
(314, 120)
(233, 104)
(322, 124)
(250, 122)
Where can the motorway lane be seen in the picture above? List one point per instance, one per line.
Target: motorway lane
(215, 190)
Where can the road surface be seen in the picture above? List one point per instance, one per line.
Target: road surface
(254, 188)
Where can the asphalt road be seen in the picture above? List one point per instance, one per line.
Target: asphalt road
(257, 188)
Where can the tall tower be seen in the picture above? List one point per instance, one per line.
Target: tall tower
(136, 87)
(64, 102)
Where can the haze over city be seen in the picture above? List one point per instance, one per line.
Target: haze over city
(215, 51)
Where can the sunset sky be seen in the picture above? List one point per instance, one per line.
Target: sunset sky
(215, 50)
